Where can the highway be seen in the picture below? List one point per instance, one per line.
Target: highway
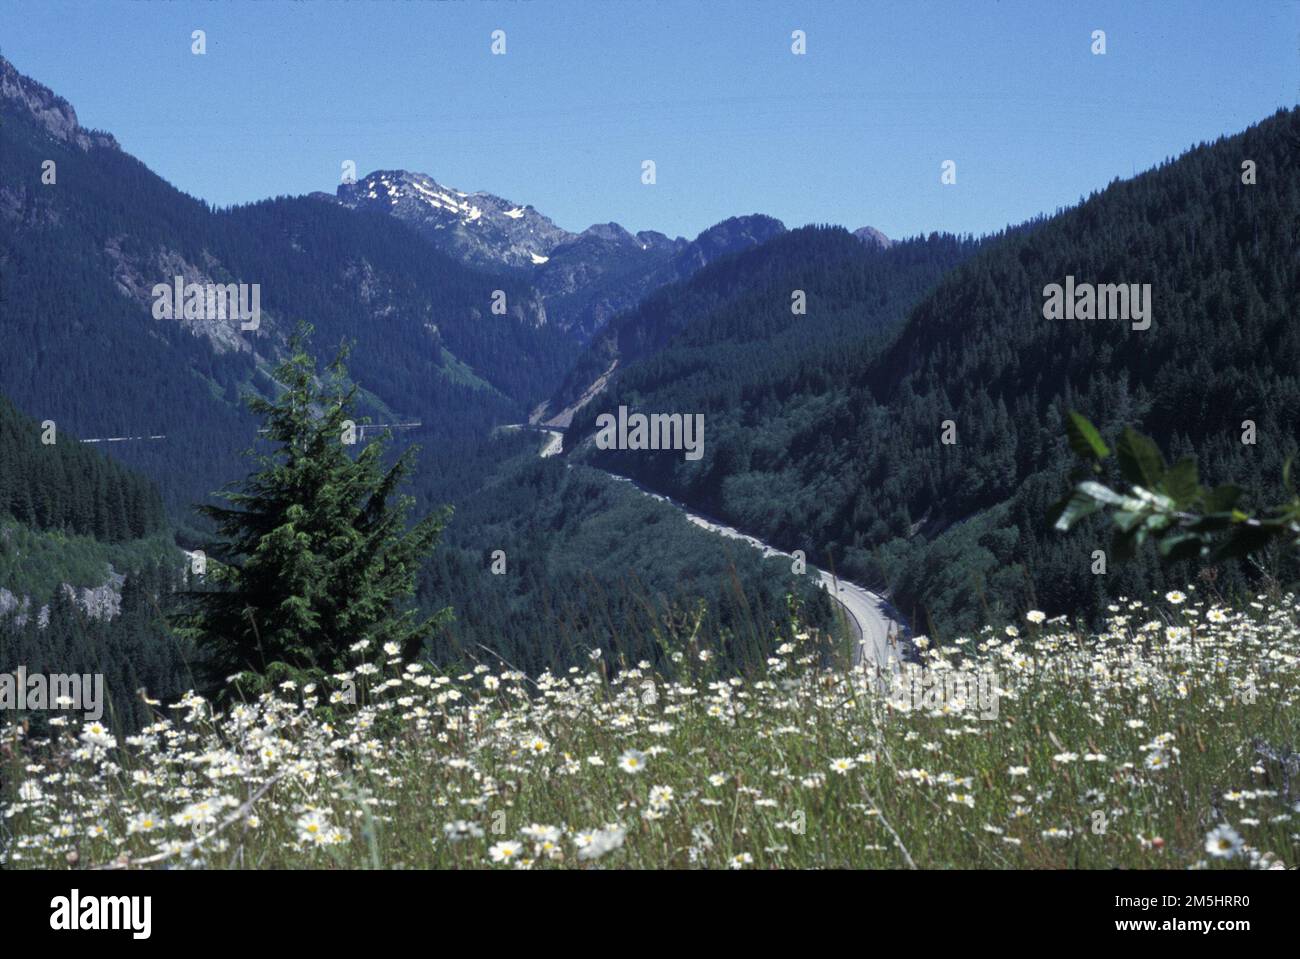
(873, 620)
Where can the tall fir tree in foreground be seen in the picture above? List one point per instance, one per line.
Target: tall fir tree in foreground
(314, 552)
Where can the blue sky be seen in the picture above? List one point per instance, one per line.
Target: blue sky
(853, 132)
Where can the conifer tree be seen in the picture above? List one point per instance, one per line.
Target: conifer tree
(314, 552)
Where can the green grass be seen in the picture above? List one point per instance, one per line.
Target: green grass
(34, 563)
(792, 768)
(457, 371)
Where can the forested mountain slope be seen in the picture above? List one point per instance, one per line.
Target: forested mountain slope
(846, 459)
(582, 278)
(751, 294)
(84, 242)
(606, 270)
(744, 340)
(86, 559)
(55, 483)
(80, 258)
(545, 563)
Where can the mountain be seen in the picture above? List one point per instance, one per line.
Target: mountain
(81, 257)
(476, 228)
(51, 113)
(86, 348)
(845, 456)
(750, 260)
(583, 279)
(872, 237)
(52, 482)
(607, 271)
(85, 551)
(593, 563)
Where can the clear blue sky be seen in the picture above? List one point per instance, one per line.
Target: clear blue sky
(852, 133)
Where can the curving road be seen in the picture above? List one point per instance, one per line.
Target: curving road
(876, 625)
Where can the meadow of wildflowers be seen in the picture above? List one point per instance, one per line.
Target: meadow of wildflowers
(1167, 740)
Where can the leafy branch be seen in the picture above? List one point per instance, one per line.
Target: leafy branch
(1166, 504)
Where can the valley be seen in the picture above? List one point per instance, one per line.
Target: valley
(823, 420)
(444, 437)
(875, 628)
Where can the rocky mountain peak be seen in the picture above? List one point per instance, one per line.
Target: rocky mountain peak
(731, 235)
(873, 237)
(478, 228)
(52, 112)
(611, 232)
